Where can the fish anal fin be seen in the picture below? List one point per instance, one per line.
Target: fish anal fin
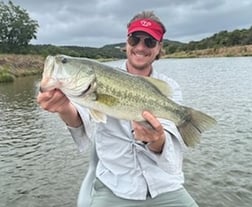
(48, 83)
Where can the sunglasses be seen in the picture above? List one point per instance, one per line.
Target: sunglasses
(149, 42)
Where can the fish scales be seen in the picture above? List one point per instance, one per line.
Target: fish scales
(110, 84)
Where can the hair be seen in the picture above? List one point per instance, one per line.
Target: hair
(152, 16)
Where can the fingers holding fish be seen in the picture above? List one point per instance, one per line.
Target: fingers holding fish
(153, 134)
(144, 134)
(53, 101)
(153, 122)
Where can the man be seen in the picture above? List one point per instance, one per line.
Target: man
(133, 165)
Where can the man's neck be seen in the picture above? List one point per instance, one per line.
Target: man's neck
(143, 71)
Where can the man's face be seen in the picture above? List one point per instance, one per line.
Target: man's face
(141, 50)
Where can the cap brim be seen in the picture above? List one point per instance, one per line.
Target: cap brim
(148, 31)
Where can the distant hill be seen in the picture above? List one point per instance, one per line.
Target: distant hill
(114, 51)
(218, 40)
(224, 43)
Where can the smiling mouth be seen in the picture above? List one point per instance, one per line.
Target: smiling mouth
(137, 54)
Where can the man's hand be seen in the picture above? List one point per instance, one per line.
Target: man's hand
(56, 102)
(53, 101)
(154, 135)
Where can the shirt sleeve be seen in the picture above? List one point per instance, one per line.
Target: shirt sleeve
(82, 134)
(80, 138)
(171, 158)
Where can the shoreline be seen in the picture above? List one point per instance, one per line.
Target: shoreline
(13, 66)
(235, 51)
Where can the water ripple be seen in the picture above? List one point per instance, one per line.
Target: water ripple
(40, 165)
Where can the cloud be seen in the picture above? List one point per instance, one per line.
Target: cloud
(100, 22)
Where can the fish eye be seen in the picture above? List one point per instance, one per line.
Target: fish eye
(64, 60)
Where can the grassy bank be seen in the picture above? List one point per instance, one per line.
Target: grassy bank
(235, 51)
(13, 66)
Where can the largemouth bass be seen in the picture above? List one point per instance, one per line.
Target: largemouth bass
(108, 91)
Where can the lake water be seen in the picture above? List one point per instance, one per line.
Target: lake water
(40, 165)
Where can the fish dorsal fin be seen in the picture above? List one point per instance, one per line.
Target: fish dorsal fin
(98, 116)
(161, 85)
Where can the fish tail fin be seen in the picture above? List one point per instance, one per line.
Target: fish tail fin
(193, 125)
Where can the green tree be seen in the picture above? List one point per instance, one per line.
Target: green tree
(17, 29)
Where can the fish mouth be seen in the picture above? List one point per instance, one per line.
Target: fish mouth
(41, 89)
(48, 83)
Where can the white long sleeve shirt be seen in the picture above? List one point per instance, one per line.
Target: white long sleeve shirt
(127, 166)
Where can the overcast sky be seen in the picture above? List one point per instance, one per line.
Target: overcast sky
(96, 23)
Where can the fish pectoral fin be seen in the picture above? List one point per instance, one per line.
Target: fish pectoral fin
(98, 116)
(107, 100)
(161, 85)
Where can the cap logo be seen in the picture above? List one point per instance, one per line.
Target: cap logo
(145, 23)
(151, 27)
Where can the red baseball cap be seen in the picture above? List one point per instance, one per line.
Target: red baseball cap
(147, 25)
